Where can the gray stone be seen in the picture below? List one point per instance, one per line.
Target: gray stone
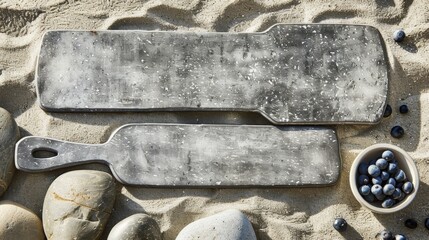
(136, 227)
(78, 204)
(227, 225)
(201, 155)
(9, 134)
(291, 73)
(19, 223)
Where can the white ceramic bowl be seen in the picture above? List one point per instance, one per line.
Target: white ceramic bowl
(405, 162)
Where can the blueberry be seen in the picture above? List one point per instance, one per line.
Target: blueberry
(388, 203)
(397, 132)
(340, 224)
(400, 237)
(376, 190)
(402, 196)
(391, 181)
(388, 155)
(410, 223)
(363, 168)
(374, 171)
(399, 35)
(400, 176)
(396, 194)
(369, 198)
(377, 180)
(384, 175)
(381, 163)
(388, 189)
(386, 235)
(380, 197)
(427, 223)
(407, 187)
(363, 180)
(392, 168)
(403, 109)
(387, 111)
(365, 190)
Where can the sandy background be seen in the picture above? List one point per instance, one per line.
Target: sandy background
(275, 213)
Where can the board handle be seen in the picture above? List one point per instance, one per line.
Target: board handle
(36, 154)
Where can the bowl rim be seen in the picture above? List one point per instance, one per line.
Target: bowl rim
(412, 168)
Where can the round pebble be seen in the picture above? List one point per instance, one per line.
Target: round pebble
(397, 132)
(137, 226)
(19, 223)
(229, 224)
(410, 223)
(9, 135)
(77, 205)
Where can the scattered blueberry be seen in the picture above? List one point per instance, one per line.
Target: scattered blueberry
(363, 180)
(403, 109)
(407, 187)
(365, 190)
(386, 235)
(427, 223)
(387, 111)
(396, 194)
(376, 190)
(369, 198)
(385, 176)
(340, 224)
(363, 168)
(377, 180)
(382, 163)
(399, 35)
(391, 181)
(388, 189)
(380, 197)
(388, 155)
(392, 168)
(397, 132)
(374, 171)
(388, 203)
(400, 237)
(400, 176)
(410, 223)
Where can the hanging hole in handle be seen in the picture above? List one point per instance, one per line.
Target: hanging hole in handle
(44, 153)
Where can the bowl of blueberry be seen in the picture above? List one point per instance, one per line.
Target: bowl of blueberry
(384, 178)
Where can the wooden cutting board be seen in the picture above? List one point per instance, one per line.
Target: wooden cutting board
(198, 155)
(292, 74)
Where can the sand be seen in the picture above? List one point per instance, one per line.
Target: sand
(280, 213)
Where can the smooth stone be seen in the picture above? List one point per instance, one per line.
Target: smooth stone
(135, 227)
(78, 205)
(9, 134)
(19, 223)
(227, 225)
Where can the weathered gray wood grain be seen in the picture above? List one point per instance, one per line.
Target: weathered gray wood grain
(199, 155)
(293, 74)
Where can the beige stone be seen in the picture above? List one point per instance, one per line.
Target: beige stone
(78, 204)
(19, 223)
(9, 134)
(136, 227)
